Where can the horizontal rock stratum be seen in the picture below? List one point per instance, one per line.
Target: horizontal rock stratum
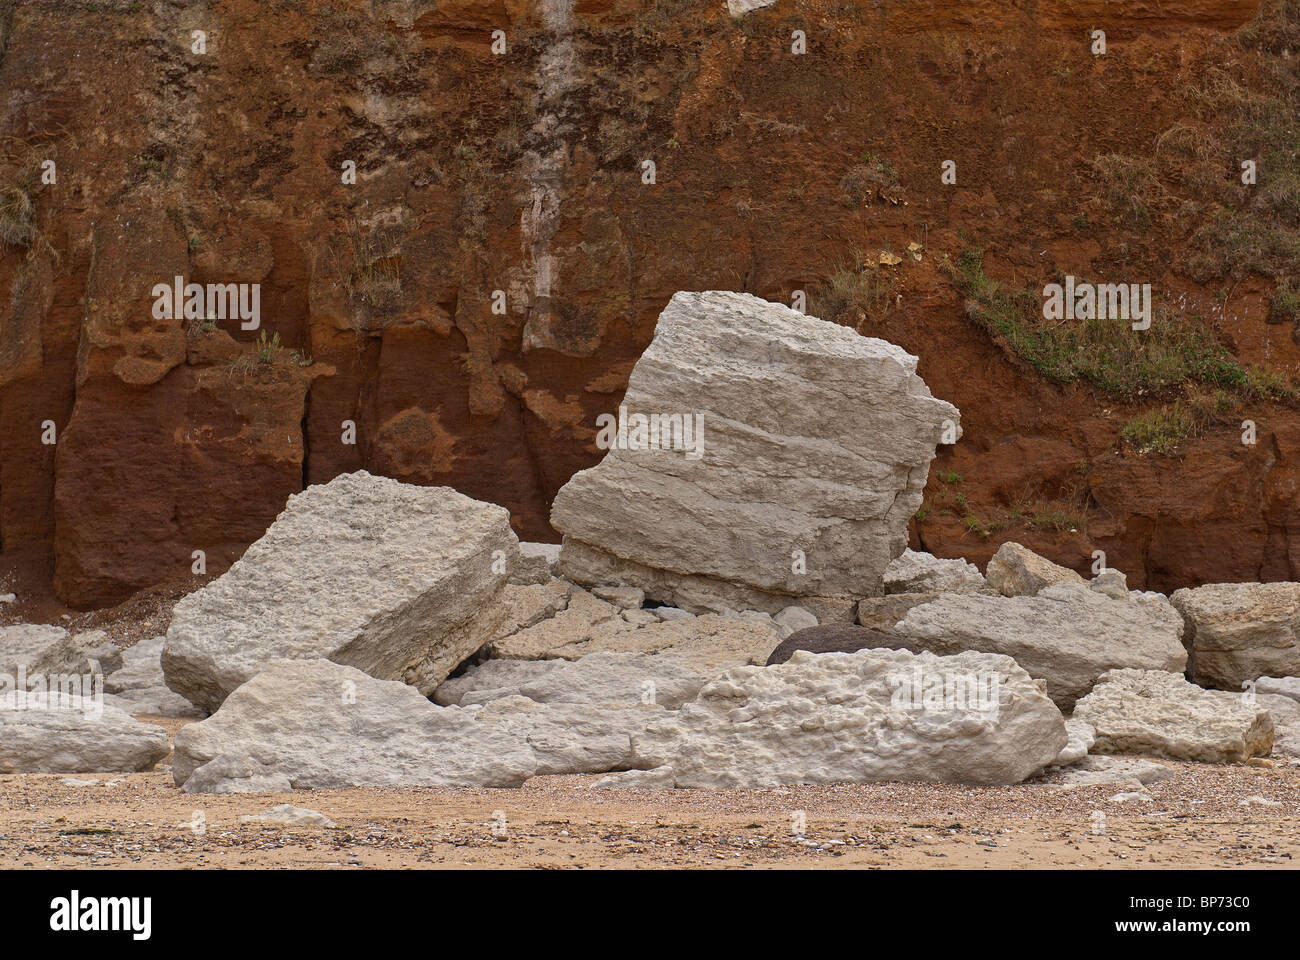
(814, 444)
(400, 581)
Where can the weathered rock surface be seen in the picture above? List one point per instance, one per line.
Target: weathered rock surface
(883, 613)
(315, 724)
(1067, 634)
(1285, 714)
(1082, 736)
(77, 735)
(777, 392)
(1100, 769)
(1160, 713)
(46, 650)
(834, 638)
(403, 582)
(832, 717)
(1281, 686)
(660, 778)
(589, 625)
(914, 572)
(1240, 631)
(1016, 571)
(139, 687)
(536, 563)
(596, 678)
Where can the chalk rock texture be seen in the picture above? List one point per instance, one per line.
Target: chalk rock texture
(42, 649)
(401, 581)
(1285, 714)
(596, 678)
(315, 724)
(73, 734)
(139, 687)
(1160, 713)
(536, 563)
(590, 625)
(882, 613)
(1067, 634)
(1082, 736)
(830, 717)
(1280, 686)
(814, 439)
(1092, 771)
(1016, 571)
(1238, 632)
(914, 572)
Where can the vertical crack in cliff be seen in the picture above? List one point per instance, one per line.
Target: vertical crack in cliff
(544, 166)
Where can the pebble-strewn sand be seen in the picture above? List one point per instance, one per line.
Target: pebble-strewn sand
(1195, 819)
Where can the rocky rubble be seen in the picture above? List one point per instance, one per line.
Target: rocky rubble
(1066, 633)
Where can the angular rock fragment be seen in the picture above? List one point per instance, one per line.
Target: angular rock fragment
(882, 613)
(808, 441)
(1160, 713)
(1237, 632)
(1098, 770)
(1016, 571)
(403, 582)
(914, 572)
(536, 563)
(1067, 634)
(660, 778)
(290, 815)
(1082, 736)
(859, 717)
(39, 649)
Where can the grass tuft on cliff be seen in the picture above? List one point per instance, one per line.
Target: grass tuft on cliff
(1178, 349)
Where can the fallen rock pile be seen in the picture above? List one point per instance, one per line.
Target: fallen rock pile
(746, 618)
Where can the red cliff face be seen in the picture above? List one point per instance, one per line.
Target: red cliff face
(467, 307)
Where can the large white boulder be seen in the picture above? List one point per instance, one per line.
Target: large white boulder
(1237, 632)
(74, 734)
(401, 581)
(1160, 713)
(814, 448)
(858, 717)
(1067, 634)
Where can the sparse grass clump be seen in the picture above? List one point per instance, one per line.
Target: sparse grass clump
(875, 177)
(1159, 432)
(16, 216)
(852, 295)
(1178, 349)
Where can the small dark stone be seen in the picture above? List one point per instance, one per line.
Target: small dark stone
(835, 638)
